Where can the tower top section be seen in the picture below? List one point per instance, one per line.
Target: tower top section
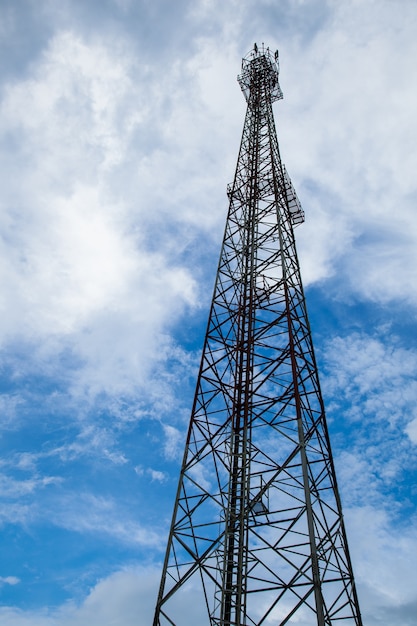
(259, 77)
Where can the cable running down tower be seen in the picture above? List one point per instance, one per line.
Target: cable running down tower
(257, 534)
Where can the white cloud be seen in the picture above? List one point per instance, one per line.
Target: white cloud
(126, 597)
(92, 441)
(9, 408)
(174, 442)
(76, 271)
(411, 430)
(9, 580)
(348, 125)
(371, 394)
(157, 475)
(107, 517)
(369, 384)
(14, 513)
(375, 373)
(385, 569)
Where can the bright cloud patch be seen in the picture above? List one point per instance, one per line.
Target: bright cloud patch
(9, 580)
(76, 269)
(371, 389)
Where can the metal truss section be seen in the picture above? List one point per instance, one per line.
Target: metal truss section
(257, 534)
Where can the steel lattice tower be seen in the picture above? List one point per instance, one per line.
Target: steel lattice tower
(257, 534)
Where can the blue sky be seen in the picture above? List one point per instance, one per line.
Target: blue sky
(120, 124)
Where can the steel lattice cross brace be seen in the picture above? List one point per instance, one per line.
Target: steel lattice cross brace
(257, 534)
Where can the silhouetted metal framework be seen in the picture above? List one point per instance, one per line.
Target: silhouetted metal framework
(257, 534)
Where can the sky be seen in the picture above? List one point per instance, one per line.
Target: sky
(120, 123)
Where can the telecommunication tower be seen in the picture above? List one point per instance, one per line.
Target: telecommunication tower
(257, 534)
